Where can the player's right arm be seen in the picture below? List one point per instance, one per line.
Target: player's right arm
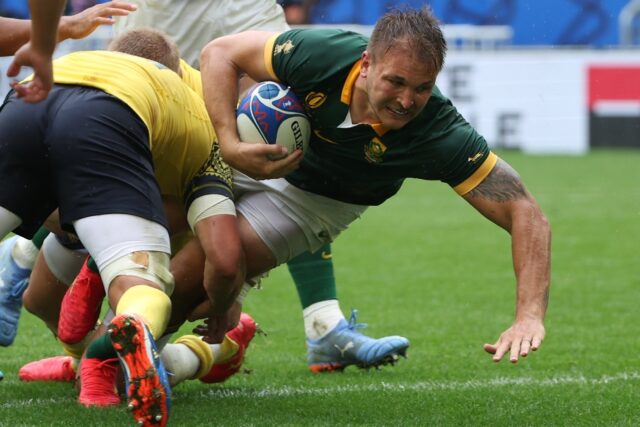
(16, 32)
(222, 62)
(45, 33)
(503, 198)
(45, 15)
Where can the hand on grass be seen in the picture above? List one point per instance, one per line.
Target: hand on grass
(521, 338)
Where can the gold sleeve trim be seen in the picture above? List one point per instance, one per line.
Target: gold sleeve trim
(477, 177)
(268, 56)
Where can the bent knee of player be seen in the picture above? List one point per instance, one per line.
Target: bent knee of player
(138, 268)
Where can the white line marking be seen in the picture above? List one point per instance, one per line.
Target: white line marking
(286, 391)
(424, 386)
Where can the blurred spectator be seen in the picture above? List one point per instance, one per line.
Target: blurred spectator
(363, 12)
(294, 11)
(14, 9)
(76, 6)
(20, 8)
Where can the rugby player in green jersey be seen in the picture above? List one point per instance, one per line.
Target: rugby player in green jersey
(377, 118)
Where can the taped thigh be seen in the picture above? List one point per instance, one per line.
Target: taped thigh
(148, 265)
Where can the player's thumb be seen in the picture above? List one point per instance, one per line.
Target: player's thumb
(490, 348)
(275, 151)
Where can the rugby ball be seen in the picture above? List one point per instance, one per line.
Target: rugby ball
(271, 113)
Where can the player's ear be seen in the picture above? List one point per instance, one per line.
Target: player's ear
(366, 63)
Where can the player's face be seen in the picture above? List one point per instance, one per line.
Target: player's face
(398, 86)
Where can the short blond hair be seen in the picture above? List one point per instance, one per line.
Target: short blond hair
(418, 29)
(148, 43)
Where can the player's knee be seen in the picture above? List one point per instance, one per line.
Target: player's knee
(148, 265)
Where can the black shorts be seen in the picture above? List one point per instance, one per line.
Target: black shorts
(81, 150)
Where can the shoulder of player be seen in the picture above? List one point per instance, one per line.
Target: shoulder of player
(306, 58)
(325, 40)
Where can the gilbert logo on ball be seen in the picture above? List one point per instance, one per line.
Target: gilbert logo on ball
(272, 114)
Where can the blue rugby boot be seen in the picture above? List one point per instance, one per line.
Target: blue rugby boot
(345, 346)
(13, 282)
(146, 379)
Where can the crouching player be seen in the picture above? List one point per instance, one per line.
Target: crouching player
(91, 149)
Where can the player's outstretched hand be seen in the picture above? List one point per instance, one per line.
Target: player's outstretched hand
(216, 326)
(262, 161)
(37, 89)
(84, 23)
(521, 338)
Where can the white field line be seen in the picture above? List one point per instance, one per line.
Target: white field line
(287, 391)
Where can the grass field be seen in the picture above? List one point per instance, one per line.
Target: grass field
(426, 266)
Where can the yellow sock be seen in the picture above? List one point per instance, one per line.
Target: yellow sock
(228, 349)
(153, 305)
(202, 350)
(76, 350)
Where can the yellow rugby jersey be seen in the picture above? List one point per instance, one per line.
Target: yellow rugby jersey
(182, 140)
(191, 77)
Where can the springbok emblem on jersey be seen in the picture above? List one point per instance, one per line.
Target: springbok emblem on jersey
(285, 48)
(374, 151)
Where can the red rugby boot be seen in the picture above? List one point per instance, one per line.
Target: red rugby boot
(240, 335)
(81, 306)
(58, 368)
(146, 380)
(98, 382)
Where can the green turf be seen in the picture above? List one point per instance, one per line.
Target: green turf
(426, 266)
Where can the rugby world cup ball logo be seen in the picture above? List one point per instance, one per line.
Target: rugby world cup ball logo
(272, 114)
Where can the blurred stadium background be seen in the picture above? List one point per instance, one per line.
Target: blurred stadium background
(542, 76)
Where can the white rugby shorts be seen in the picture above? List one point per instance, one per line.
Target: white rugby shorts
(291, 221)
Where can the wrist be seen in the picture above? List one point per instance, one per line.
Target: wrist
(63, 29)
(529, 317)
(228, 148)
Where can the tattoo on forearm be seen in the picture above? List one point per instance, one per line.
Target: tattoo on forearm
(503, 184)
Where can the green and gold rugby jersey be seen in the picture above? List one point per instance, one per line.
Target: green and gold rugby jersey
(367, 164)
(183, 143)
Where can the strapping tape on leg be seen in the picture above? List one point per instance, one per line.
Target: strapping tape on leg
(148, 265)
